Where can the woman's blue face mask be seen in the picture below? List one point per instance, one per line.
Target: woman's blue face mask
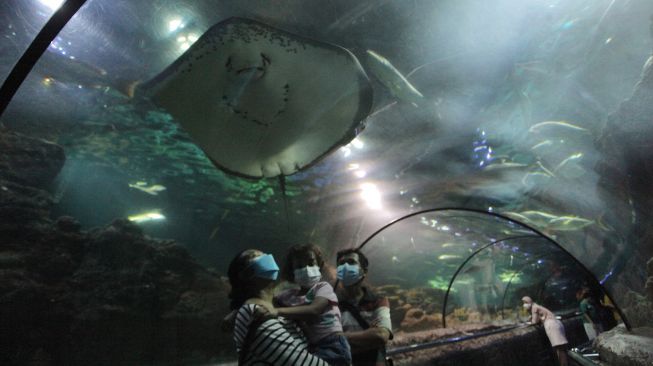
(265, 267)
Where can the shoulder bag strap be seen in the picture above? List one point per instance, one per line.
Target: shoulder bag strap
(345, 306)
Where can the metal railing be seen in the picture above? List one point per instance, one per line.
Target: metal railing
(441, 342)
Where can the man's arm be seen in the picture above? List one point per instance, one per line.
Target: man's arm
(364, 340)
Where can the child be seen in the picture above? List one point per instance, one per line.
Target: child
(315, 303)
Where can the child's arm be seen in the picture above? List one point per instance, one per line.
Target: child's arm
(305, 312)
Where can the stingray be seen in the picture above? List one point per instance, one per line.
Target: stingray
(263, 102)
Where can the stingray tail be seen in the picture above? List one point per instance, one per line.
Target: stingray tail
(282, 186)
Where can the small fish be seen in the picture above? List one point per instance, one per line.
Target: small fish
(146, 217)
(153, 189)
(463, 282)
(547, 171)
(395, 260)
(517, 216)
(535, 218)
(555, 125)
(567, 160)
(505, 166)
(445, 257)
(65, 70)
(534, 178)
(569, 223)
(542, 144)
(539, 215)
(448, 245)
(392, 79)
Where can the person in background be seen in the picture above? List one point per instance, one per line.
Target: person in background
(260, 337)
(365, 316)
(601, 315)
(553, 327)
(314, 303)
(589, 312)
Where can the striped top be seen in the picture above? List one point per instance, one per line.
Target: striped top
(277, 341)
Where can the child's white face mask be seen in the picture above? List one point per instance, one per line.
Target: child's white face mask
(308, 276)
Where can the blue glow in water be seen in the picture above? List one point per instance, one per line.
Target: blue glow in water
(605, 278)
(481, 150)
(568, 24)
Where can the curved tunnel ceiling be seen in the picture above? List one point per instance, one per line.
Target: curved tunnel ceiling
(470, 261)
(518, 92)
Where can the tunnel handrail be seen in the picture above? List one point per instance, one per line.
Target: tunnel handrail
(441, 342)
(580, 359)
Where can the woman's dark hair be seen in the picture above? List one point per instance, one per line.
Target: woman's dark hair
(241, 288)
(297, 252)
(362, 259)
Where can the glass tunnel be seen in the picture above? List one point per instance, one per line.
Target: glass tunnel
(498, 149)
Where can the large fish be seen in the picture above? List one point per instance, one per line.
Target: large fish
(263, 102)
(392, 79)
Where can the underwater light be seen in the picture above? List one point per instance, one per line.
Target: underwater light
(174, 24)
(146, 217)
(52, 4)
(371, 195)
(510, 276)
(184, 46)
(360, 173)
(192, 37)
(357, 143)
(353, 166)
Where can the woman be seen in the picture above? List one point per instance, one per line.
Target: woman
(262, 338)
(553, 327)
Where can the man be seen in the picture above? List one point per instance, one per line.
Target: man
(365, 316)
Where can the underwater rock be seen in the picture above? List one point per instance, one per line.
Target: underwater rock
(637, 308)
(68, 224)
(388, 290)
(619, 347)
(109, 296)
(29, 161)
(626, 170)
(110, 292)
(26, 166)
(649, 289)
(416, 320)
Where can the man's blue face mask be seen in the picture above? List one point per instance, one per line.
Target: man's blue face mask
(349, 274)
(265, 267)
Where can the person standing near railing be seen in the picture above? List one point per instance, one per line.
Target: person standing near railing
(553, 327)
